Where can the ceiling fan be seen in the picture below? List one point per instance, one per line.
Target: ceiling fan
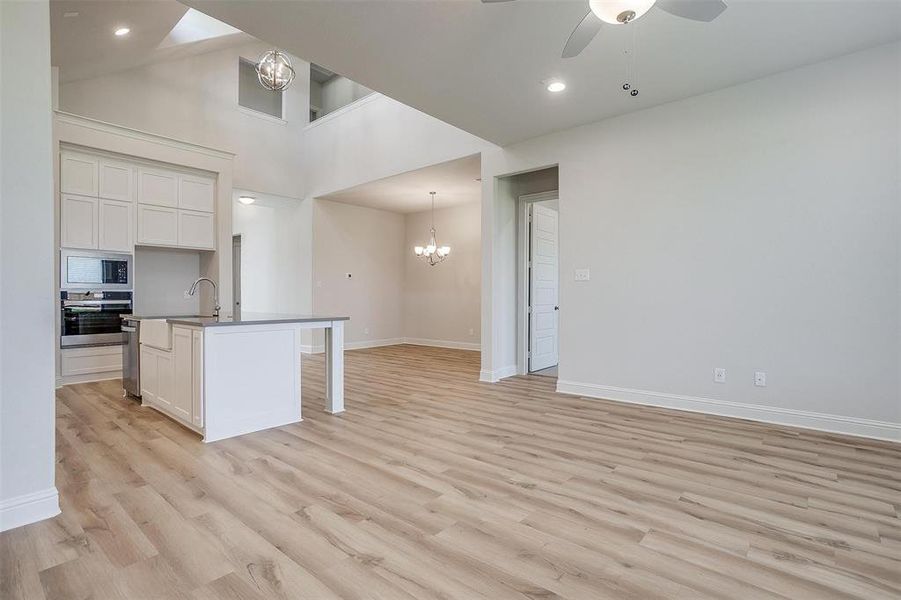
(620, 12)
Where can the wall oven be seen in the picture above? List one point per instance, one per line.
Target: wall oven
(84, 270)
(92, 318)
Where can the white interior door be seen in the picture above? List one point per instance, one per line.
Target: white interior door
(543, 288)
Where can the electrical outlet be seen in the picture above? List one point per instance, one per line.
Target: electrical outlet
(760, 378)
(719, 375)
(365, 331)
(186, 294)
(472, 331)
(582, 275)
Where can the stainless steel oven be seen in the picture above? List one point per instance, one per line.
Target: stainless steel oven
(89, 271)
(92, 318)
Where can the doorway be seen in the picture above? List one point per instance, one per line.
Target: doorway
(540, 290)
(236, 276)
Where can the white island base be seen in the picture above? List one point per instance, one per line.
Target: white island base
(229, 378)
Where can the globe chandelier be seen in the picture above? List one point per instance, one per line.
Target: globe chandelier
(274, 71)
(432, 253)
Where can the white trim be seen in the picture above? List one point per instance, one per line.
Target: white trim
(345, 109)
(882, 430)
(474, 346)
(28, 508)
(137, 134)
(87, 378)
(497, 374)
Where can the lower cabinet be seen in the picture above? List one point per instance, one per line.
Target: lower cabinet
(172, 381)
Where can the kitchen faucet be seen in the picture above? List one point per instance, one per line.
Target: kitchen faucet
(215, 293)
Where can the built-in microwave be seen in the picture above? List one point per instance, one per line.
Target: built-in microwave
(85, 270)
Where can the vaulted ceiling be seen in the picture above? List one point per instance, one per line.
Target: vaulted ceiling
(480, 66)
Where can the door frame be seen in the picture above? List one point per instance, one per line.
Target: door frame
(522, 271)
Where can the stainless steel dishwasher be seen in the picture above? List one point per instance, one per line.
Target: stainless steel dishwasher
(131, 357)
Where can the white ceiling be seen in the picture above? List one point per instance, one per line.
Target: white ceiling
(480, 66)
(456, 181)
(84, 46)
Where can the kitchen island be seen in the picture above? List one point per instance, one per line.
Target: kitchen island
(228, 377)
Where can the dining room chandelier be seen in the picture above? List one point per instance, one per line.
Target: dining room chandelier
(432, 253)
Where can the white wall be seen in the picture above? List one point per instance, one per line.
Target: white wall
(276, 254)
(196, 99)
(375, 138)
(161, 277)
(753, 228)
(442, 303)
(366, 243)
(27, 305)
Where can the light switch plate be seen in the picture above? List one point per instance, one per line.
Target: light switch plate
(582, 275)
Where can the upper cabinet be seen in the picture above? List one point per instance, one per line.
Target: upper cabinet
(157, 187)
(117, 180)
(98, 211)
(196, 193)
(79, 173)
(79, 222)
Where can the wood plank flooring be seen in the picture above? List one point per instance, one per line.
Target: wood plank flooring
(433, 485)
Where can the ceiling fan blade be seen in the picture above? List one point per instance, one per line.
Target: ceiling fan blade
(696, 10)
(582, 35)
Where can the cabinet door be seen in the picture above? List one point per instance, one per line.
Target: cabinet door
(149, 376)
(157, 225)
(117, 180)
(197, 395)
(196, 230)
(78, 174)
(116, 225)
(183, 373)
(78, 222)
(165, 378)
(195, 193)
(156, 187)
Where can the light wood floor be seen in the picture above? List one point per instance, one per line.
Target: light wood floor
(435, 486)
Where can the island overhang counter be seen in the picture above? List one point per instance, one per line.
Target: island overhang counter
(229, 377)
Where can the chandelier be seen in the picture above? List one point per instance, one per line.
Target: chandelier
(432, 253)
(275, 71)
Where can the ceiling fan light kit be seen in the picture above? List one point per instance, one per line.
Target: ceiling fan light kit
(619, 12)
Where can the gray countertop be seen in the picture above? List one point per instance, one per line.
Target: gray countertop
(244, 319)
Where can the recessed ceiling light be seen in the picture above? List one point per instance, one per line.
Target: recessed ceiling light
(555, 86)
(122, 31)
(246, 199)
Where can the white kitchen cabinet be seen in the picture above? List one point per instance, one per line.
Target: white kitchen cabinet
(157, 187)
(78, 173)
(183, 369)
(117, 180)
(157, 225)
(196, 193)
(79, 222)
(91, 363)
(196, 230)
(157, 378)
(116, 225)
(150, 377)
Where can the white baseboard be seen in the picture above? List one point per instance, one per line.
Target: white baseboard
(882, 430)
(28, 508)
(87, 378)
(318, 349)
(444, 344)
(497, 374)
